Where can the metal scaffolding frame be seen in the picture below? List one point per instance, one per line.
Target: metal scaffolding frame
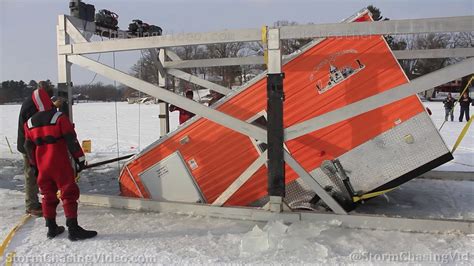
(73, 43)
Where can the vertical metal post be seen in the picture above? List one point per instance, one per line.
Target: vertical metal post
(275, 130)
(64, 67)
(164, 112)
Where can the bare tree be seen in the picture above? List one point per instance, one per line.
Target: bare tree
(145, 68)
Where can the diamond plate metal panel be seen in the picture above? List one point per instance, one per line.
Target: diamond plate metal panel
(388, 156)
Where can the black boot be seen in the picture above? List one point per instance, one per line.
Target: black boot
(76, 232)
(53, 228)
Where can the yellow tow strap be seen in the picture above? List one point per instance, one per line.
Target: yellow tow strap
(10, 235)
(463, 133)
(371, 195)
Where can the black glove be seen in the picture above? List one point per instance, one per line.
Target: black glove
(80, 166)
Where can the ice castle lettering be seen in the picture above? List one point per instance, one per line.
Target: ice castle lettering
(337, 76)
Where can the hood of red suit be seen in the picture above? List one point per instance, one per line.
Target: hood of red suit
(42, 100)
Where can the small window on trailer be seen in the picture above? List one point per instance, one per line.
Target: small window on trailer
(261, 121)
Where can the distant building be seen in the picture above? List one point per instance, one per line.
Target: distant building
(453, 86)
(441, 91)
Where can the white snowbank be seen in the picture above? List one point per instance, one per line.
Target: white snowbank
(181, 239)
(464, 155)
(96, 121)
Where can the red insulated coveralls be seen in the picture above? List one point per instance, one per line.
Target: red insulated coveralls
(183, 114)
(49, 141)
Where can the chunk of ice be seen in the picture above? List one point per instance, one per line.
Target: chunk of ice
(19, 177)
(255, 241)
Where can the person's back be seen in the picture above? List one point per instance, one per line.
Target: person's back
(47, 129)
(184, 115)
(215, 96)
(49, 141)
(27, 110)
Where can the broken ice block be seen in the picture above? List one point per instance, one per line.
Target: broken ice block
(254, 241)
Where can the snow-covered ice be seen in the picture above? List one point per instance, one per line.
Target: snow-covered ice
(464, 154)
(183, 239)
(96, 121)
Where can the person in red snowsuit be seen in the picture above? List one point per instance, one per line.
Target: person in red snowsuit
(183, 114)
(49, 141)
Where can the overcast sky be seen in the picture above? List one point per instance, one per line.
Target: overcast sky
(28, 38)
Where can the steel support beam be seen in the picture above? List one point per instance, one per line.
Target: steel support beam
(158, 59)
(356, 221)
(64, 67)
(83, 25)
(434, 53)
(216, 62)
(417, 85)
(275, 98)
(407, 26)
(164, 106)
(193, 79)
(164, 118)
(240, 181)
(74, 33)
(243, 35)
(198, 81)
(172, 55)
(259, 60)
(167, 96)
(276, 164)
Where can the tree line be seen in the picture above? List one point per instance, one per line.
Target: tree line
(12, 91)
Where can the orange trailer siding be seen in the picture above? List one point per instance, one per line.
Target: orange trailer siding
(222, 154)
